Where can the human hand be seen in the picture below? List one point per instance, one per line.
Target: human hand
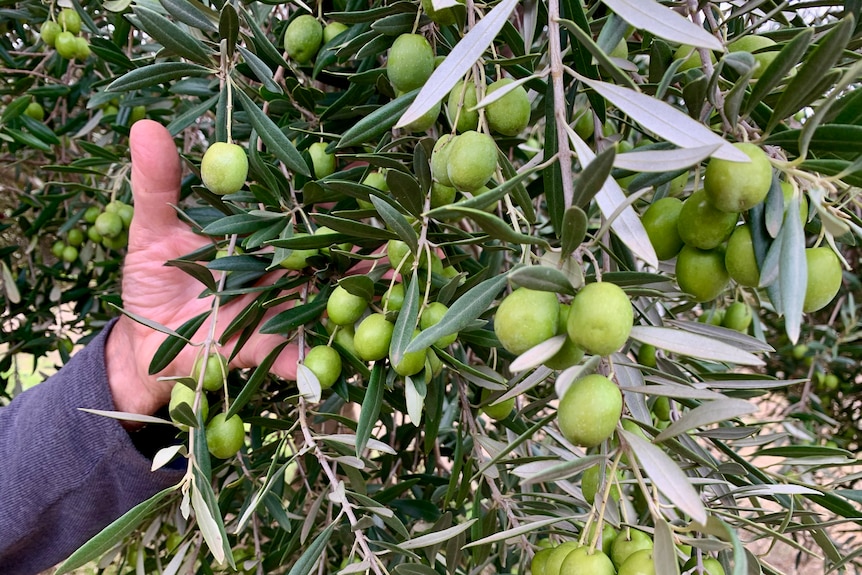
(166, 294)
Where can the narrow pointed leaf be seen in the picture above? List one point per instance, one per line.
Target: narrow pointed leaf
(665, 120)
(370, 407)
(543, 278)
(173, 37)
(406, 323)
(663, 160)
(692, 345)
(667, 476)
(114, 533)
(276, 140)
(253, 384)
(397, 222)
(793, 271)
(260, 69)
(786, 59)
(663, 22)
(174, 344)
(705, 414)
(575, 224)
(495, 227)
(156, 74)
(436, 537)
(192, 13)
(377, 122)
(467, 308)
(593, 177)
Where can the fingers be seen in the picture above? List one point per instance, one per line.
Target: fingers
(155, 182)
(260, 346)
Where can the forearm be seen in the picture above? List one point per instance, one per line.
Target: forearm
(66, 474)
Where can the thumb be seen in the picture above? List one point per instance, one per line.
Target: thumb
(155, 181)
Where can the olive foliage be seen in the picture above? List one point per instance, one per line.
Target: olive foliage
(406, 474)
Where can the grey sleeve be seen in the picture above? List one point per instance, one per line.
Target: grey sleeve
(66, 474)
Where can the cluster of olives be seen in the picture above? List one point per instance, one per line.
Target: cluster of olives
(225, 436)
(63, 35)
(304, 36)
(598, 321)
(108, 227)
(627, 552)
(711, 249)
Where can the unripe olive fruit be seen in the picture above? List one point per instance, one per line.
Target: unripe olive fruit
(70, 254)
(440, 160)
(737, 316)
(498, 411)
(661, 408)
(737, 186)
(82, 48)
(646, 355)
(443, 17)
(183, 394)
(570, 354)
(109, 225)
(393, 299)
(344, 308)
(66, 45)
(711, 566)
(322, 162)
(628, 542)
(91, 214)
(526, 318)
(590, 410)
(372, 337)
(441, 195)
(660, 221)
(703, 226)
(410, 363)
(302, 38)
(117, 242)
(325, 363)
(638, 563)
(587, 560)
(824, 278)
(399, 255)
(138, 113)
(75, 237)
(49, 31)
(590, 485)
(57, 248)
(621, 50)
(752, 43)
(585, 127)
(224, 168)
(431, 316)
(35, 110)
(462, 100)
(93, 235)
(410, 62)
(558, 555)
(691, 56)
(332, 30)
(509, 115)
(298, 259)
(424, 122)
(472, 161)
(225, 436)
(537, 565)
(214, 373)
(601, 318)
(739, 258)
(701, 273)
(69, 20)
(377, 180)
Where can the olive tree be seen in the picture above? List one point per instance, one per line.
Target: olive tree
(549, 263)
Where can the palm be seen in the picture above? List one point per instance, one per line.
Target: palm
(165, 294)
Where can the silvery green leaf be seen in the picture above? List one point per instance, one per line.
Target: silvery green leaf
(692, 345)
(665, 120)
(683, 391)
(667, 476)
(532, 380)
(459, 61)
(207, 524)
(793, 271)
(538, 354)
(553, 470)
(663, 160)
(438, 537)
(627, 225)
(308, 384)
(741, 340)
(663, 22)
(706, 414)
(414, 394)
(350, 439)
(664, 549)
(164, 455)
(568, 376)
(517, 531)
